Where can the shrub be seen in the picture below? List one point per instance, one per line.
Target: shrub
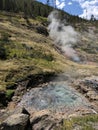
(42, 30)
(5, 37)
(9, 94)
(3, 53)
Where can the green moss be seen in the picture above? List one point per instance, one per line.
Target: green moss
(9, 94)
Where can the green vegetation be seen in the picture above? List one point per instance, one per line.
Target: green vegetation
(87, 122)
(42, 20)
(3, 42)
(9, 94)
(18, 50)
(28, 7)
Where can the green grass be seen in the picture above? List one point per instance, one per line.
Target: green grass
(24, 60)
(41, 19)
(82, 123)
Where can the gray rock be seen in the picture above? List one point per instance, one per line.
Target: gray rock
(43, 121)
(21, 110)
(16, 122)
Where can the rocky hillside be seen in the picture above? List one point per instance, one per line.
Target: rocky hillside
(29, 59)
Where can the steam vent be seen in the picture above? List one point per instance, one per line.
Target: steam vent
(55, 97)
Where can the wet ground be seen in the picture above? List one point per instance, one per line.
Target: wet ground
(54, 96)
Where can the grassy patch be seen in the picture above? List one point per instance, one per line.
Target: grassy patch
(81, 123)
(41, 19)
(26, 59)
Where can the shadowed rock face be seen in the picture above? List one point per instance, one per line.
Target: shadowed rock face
(3, 99)
(16, 122)
(54, 96)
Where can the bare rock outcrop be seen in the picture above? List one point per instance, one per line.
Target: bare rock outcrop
(16, 122)
(19, 119)
(89, 88)
(43, 120)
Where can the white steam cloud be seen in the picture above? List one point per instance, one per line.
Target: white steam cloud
(63, 36)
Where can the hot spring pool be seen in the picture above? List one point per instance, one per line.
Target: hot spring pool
(54, 96)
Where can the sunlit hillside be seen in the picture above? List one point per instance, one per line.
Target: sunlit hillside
(29, 58)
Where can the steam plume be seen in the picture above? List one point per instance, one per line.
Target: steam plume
(63, 36)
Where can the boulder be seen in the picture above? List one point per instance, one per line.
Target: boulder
(43, 120)
(16, 122)
(21, 110)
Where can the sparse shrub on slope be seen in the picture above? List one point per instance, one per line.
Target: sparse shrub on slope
(9, 50)
(42, 30)
(3, 41)
(5, 37)
(3, 53)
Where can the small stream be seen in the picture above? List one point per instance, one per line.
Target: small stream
(54, 96)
